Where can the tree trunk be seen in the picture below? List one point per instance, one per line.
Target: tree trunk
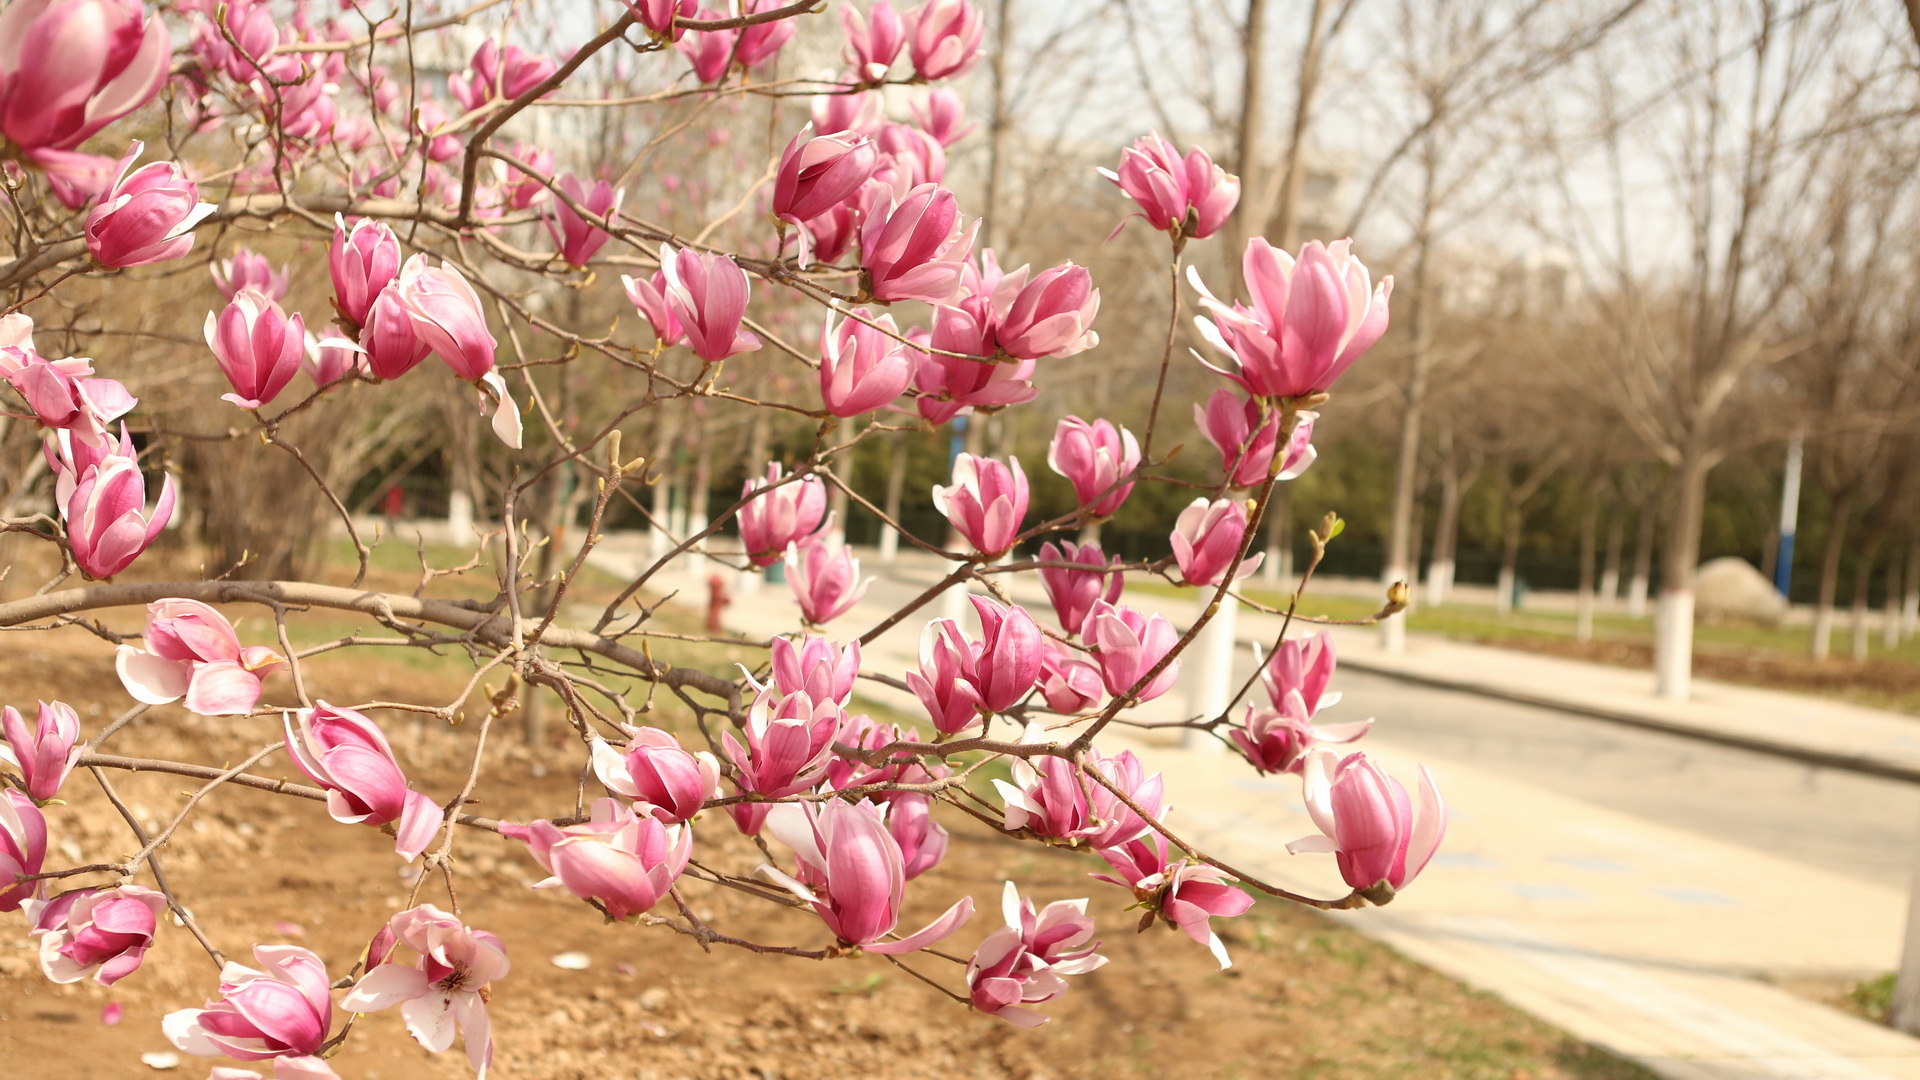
(1246, 159)
(1510, 522)
(1910, 604)
(1642, 559)
(1890, 603)
(1673, 626)
(1821, 642)
(1446, 535)
(896, 482)
(1407, 464)
(1610, 572)
(1278, 565)
(1583, 605)
(1862, 579)
(997, 122)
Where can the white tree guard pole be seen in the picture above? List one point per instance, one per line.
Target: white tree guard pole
(1209, 669)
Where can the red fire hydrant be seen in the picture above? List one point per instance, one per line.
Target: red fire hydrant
(716, 601)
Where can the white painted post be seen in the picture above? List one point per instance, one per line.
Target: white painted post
(1209, 670)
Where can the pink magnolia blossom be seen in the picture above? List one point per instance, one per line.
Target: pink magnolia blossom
(443, 988)
(1207, 536)
(192, 652)
(101, 495)
(817, 665)
(1226, 420)
(859, 112)
(710, 52)
(1189, 198)
(334, 357)
(282, 1011)
(147, 216)
(1277, 740)
(432, 124)
(761, 42)
(23, 847)
(708, 296)
(1302, 665)
(1128, 645)
(830, 235)
(346, 753)
(258, 347)
(363, 261)
(98, 934)
(1049, 797)
(304, 1067)
(60, 392)
(1073, 592)
(1008, 661)
(820, 172)
(944, 117)
(497, 73)
(576, 238)
(1023, 962)
(985, 502)
(1379, 838)
(922, 840)
(908, 158)
(873, 40)
(944, 38)
(658, 15)
(68, 68)
(657, 771)
(788, 749)
(825, 579)
(913, 247)
(783, 514)
(392, 347)
(245, 270)
(850, 868)
(254, 33)
(44, 753)
(650, 298)
(945, 682)
(1311, 318)
(862, 367)
(1051, 315)
(1186, 893)
(447, 318)
(625, 860)
(862, 732)
(1069, 682)
(1094, 458)
(525, 189)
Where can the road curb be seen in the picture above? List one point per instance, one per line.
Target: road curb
(1805, 754)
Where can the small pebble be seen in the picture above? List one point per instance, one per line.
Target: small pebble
(573, 961)
(160, 1059)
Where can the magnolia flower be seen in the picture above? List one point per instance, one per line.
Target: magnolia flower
(1310, 319)
(1095, 458)
(245, 270)
(258, 347)
(912, 247)
(825, 579)
(923, 843)
(284, 1010)
(23, 847)
(443, 988)
(985, 502)
(68, 68)
(60, 392)
(851, 870)
(101, 495)
(780, 514)
(671, 782)
(1073, 592)
(817, 665)
(943, 117)
(577, 238)
(448, 319)
(193, 652)
(1379, 838)
(101, 934)
(497, 73)
(362, 261)
(47, 752)
(1186, 893)
(650, 298)
(945, 681)
(944, 38)
(1049, 797)
(1302, 665)
(1023, 962)
(1189, 198)
(347, 754)
(1069, 682)
(708, 297)
(819, 172)
(873, 40)
(1276, 740)
(334, 357)
(862, 366)
(1206, 538)
(788, 743)
(1128, 645)
(1052, 315)
(624, 860)
(148, 215)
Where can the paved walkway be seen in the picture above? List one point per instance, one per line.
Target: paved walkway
(1644, 939)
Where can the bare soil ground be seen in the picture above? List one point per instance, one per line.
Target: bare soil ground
(1306, 998)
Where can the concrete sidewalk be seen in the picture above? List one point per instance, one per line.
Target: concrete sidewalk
(1647, 940)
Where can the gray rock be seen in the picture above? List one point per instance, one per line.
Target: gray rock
(1730, 590)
